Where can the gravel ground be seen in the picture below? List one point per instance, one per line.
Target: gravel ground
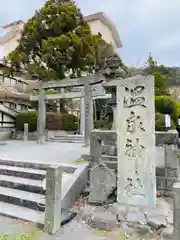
(75, 229)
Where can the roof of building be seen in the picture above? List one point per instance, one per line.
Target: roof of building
(106, 21)
(8, 36)
(100, 15)
(11, 24)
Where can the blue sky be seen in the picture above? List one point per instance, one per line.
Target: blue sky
(143, 25)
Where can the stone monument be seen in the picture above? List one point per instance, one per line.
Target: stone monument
(26, 127)
(136, 181)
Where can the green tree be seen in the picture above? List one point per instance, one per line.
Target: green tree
(57, 41)
(161, 74)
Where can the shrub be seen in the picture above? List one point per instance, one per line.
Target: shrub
(26, 117)
(176, 111)
(102, 124)
(162, 101)
(69, 122)
(51, 91)
(160, 122)
(54, 121)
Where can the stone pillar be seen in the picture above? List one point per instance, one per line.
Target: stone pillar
(136, 184)
(53, 200)
(25, 131)
(176, 211)
(62, 90)
(91, 118)
(41, 123)
(114, 108)
(58, 105)
(82, 116)
(88, 111)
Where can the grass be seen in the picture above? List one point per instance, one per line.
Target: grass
(33, 235)
(79, 161)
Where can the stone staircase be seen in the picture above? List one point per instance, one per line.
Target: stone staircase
(22, 193)
(22, 189)
(68, 139)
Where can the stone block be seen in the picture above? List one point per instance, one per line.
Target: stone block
(160, 156)
(105, 149)
(160, 172)
(169, 137)
(103, 220)
(74, 186)
(171, 173)
(171, 160)
(102, 183)
(110, 143)
(95, 147)
(169, 183)
(157, 222)
(160, 183)
(113, 151)
(109, 150)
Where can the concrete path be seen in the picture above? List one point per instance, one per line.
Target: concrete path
(49, 152)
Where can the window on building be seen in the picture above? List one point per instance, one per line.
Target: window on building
(13, 105)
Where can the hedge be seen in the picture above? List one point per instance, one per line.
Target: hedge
(54, 121)
(160, 122)
(160, 105)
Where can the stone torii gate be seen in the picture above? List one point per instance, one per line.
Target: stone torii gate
(86, 83)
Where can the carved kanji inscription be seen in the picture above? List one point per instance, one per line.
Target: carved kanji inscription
(134, 149)
(134, 97)
(134, 122)
(134, 187)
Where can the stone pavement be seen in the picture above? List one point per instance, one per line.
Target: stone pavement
(75, 230)
(49, 152)
(80, 228)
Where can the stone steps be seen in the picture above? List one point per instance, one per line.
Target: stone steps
(22, 189)
(68, 139)
(22, 198)
(20, 183)
(23, 213)
(22, 192)
(31, 173)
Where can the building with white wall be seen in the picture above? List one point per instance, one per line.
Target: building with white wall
(98, 22)
(101, 24)
(12, 33)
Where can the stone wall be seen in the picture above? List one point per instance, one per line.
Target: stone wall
(103, 150)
